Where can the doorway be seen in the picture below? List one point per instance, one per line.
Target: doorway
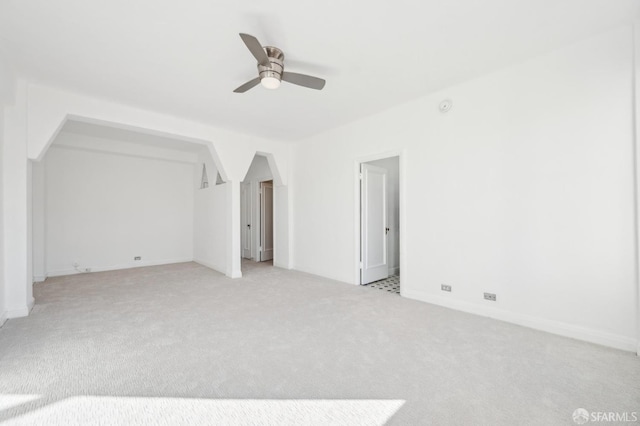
(380, 224)
(257, 214)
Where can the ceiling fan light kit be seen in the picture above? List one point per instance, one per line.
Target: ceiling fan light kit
(271, 68)
(270, 76)
(270, 82)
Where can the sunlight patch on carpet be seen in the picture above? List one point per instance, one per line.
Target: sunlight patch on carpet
(9, 401)
(79, 410)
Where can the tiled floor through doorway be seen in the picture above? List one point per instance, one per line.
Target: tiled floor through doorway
(391, 284)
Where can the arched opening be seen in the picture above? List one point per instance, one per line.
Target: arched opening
(107, 197)
(258, 214)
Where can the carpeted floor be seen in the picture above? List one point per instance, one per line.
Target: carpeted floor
(181, 344)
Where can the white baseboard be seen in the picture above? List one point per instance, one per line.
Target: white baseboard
(323, 274)
(39, 278)
(18, 312)
(129, 265)
(234, 274)
(281, 265)
(209, 265)
(550, 326)
(395, 270)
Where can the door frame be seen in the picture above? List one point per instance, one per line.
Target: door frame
(401, 154)
(248, 211)
(255, 216)
(261, 207)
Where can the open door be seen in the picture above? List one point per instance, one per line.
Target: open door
(245, 220)
(266, 221)
(373, 222)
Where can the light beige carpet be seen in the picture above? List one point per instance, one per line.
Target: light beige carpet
(181, 344)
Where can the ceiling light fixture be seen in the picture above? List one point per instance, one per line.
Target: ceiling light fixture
(270, 82)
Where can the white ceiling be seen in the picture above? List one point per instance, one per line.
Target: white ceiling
(185, 58)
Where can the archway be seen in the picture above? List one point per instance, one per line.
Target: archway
(263, 215)
(112, 197)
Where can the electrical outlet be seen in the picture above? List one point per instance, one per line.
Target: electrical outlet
(490, 296)
(445, 287)
(137, 258)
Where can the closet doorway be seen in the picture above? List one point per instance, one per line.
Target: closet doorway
(380, 224)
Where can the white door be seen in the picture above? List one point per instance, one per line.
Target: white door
(245, 222)
(266, 221)
(373, 222)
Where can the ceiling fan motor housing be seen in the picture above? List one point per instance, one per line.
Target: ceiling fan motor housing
(276, 58)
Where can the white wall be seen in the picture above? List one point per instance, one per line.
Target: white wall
(210, 218)
(7, 97)
(7, 81)
(392, 165)
(281, 227)
(103, 209)
(524, 189)
(16, 202)
(259, 169)
(39, 221)
(3, 306)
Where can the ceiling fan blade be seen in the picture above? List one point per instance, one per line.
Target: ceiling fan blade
(248, 85)
(256, 49)
(303, 80)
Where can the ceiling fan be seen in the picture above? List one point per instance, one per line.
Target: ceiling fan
(271, 68)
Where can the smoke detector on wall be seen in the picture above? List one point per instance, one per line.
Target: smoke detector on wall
(445, 105)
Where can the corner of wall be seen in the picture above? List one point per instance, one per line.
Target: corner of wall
(210, 265)
(19, 312)
(8, 79)
(282, 265)
(636, 133)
